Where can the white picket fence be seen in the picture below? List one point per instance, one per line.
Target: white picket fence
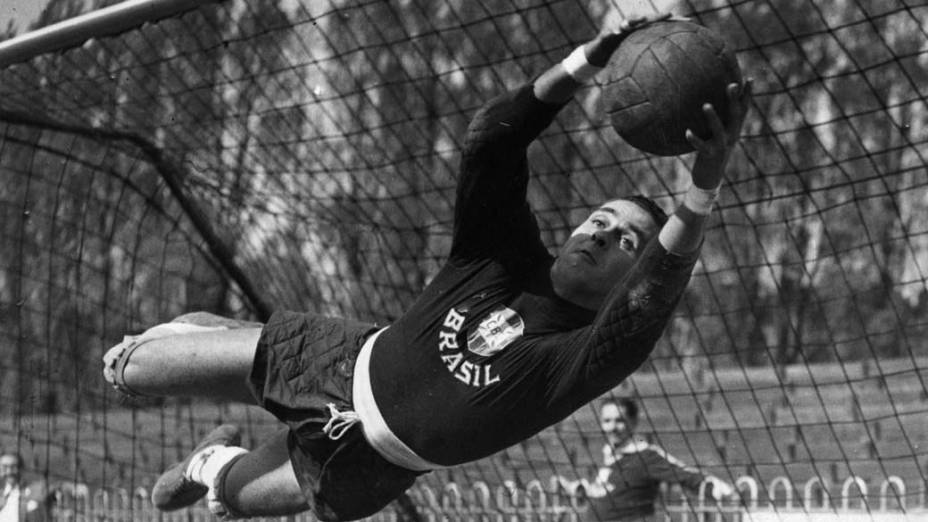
(780, 500)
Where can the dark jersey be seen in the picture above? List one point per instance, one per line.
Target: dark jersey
(632, 479)
(489, 355)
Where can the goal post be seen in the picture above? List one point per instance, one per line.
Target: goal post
(105, 21)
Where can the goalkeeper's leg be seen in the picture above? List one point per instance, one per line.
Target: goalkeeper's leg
(240, 483)
(210, 357)
(342, 479)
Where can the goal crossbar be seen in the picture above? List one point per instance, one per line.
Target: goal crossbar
(75, 31)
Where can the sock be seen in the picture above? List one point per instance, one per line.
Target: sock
(209, 461)
(216, 500)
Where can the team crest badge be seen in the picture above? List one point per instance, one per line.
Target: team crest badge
(496, 331)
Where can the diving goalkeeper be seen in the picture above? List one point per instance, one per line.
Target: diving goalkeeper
(505, 340)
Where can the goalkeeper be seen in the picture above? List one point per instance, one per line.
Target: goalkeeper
(505, 340)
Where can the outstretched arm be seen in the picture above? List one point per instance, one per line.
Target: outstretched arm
(663, 466)
(559, 83)
(683, 232)
(637, 309)
(494, 173)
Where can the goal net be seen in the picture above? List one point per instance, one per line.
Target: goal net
(242, 157)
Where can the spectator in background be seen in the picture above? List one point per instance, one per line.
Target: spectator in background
(19, 503)
(627, 485)
(10, 469)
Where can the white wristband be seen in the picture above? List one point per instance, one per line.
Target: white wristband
(700, 201)
(577, 67)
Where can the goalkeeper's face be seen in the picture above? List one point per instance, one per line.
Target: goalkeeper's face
(601, 251)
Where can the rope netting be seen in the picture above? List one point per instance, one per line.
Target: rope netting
(243, 158)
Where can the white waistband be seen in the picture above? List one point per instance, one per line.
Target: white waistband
(375, 428)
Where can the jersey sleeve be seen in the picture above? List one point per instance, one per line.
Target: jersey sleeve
(594, 359)
(664, 467)
(491, 210)
(637, 310)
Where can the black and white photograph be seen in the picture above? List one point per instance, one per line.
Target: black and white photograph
(464, 260)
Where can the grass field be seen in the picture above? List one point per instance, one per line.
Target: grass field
(827, 421)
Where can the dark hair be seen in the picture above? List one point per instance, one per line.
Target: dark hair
(649, 206)
(627, 404)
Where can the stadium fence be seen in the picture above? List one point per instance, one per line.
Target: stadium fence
(538, 502)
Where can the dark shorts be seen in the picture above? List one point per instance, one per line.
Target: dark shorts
(304, 362)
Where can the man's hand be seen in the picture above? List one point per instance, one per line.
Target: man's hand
(719, 488)
(559, 83)
(600, 49)
(713, 153)
(566, 484)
